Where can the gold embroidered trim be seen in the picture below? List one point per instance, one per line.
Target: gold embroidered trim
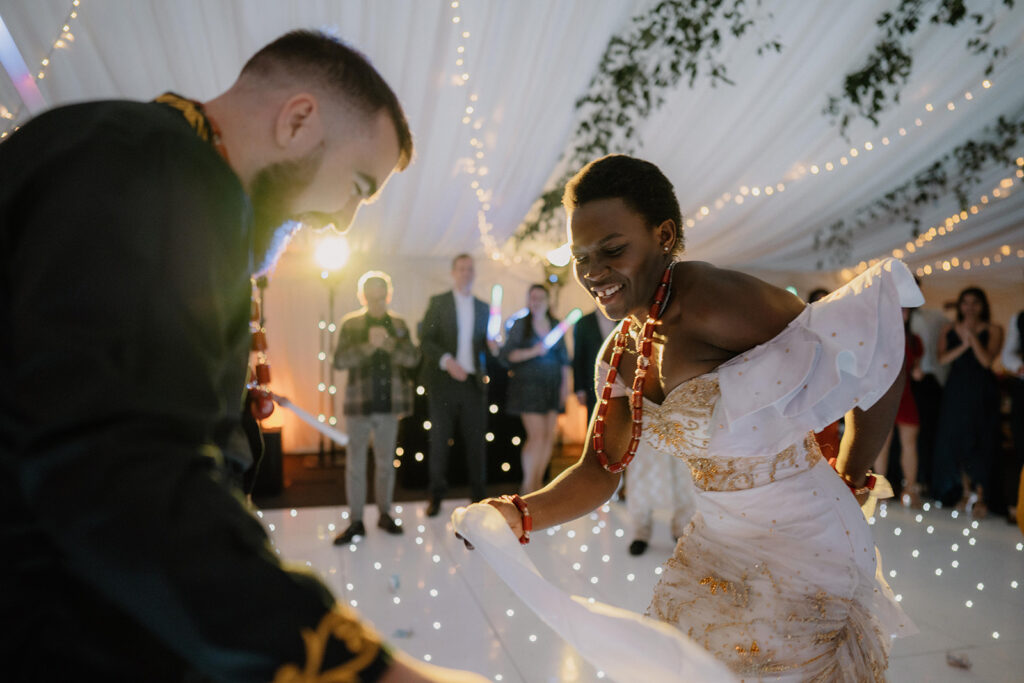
(191, 111)
(341, 624)
(681, 426)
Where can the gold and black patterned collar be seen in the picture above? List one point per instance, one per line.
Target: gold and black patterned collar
(196, 117)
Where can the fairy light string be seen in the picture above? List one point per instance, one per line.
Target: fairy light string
(65, 37)
(821, 168)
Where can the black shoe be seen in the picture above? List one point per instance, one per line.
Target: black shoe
(388, 524)
(434, 508)
(354, 529)
(638, 547)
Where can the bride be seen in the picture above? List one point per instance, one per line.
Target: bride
(776, 573)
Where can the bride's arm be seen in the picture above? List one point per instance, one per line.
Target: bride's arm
(865, 434)
(586, 484)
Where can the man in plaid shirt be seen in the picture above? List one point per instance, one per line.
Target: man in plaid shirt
(375, 346)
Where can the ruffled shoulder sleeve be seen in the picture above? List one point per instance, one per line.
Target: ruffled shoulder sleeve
(841, 352)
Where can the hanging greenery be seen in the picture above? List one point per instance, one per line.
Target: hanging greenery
(675, 38)
(957, 173)
(876, 86)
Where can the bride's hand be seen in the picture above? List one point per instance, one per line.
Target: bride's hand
(508, 510)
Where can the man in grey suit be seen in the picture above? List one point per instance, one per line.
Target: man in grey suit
(453, 339)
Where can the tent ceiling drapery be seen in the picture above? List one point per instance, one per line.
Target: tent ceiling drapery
(526, 62)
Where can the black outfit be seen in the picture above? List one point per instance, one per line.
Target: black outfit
(534, 385)
(969, 424)
(1016, 386)
(450, 401)
(126, 253)
(587, 342)
(927, 393)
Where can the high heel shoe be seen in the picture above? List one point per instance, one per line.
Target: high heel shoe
(912, 497)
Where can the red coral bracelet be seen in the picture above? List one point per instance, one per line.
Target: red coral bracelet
(525, 512)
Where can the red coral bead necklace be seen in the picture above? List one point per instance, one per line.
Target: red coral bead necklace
(645, 347)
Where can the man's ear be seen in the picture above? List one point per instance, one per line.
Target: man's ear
(298, 126)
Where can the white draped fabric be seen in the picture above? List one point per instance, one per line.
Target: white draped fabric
(523, 65)
(603, 634)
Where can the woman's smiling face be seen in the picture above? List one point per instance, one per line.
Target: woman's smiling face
(617, 257)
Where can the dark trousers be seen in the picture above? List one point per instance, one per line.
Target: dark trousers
(465, 404)
(1017, 429)
(928, 397)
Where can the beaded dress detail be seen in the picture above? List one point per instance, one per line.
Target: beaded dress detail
(777, 574)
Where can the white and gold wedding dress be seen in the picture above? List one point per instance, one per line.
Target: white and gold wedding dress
(777, 574)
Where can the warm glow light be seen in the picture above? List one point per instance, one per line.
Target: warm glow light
(332, 252)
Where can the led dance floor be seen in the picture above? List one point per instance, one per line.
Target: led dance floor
(961, 581)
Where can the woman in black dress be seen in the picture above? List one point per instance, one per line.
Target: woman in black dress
(969, 422)
(537, 385)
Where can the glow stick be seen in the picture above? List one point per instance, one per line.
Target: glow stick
(330, 432)
(516, 316)
(552, 337)
(494, 320)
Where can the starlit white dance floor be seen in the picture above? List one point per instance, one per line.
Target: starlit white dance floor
(961, 581)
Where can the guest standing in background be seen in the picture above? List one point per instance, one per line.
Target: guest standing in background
(1014, 366)
(907, 421)
(587, 337)
(376, 348)
(538, 384)
(969, 423)
(453, 338)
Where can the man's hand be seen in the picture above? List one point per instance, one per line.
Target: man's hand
(457, 372)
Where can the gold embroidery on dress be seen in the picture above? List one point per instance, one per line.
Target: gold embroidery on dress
(749, 633)
(681, 426)
(341, 624)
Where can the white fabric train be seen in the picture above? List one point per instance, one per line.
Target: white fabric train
(626, 646)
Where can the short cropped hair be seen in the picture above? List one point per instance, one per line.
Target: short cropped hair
(373, 275)
(459, 257)
(338, 68)
(638, 183)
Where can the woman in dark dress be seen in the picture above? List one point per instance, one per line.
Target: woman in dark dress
(969, 422)
(537, 385)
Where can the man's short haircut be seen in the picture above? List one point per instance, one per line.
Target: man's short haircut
(459, 257)
(368, 276)
(340, 69)
(638, 183)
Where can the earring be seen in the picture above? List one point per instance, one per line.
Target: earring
(666, 250)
